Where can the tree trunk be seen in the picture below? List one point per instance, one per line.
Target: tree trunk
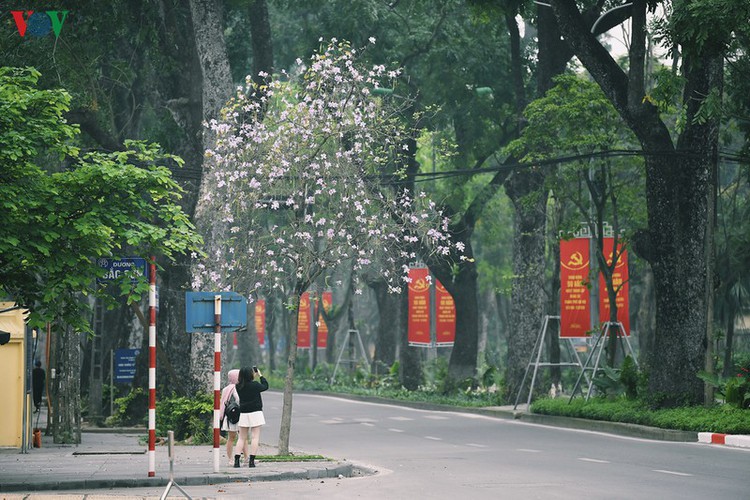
(410, 366)
(529, 198)
(385, 344)
(646, 320)
(677, 184)
(463, 288)
(728, 364)
(262, 41)
(286, 407)
(208, 29)
(67, 427)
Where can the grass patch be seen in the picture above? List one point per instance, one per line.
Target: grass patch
(723, 419)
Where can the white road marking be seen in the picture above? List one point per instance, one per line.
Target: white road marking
(436, 417)
(401, 419)
(672, 472)
(475, 445)
(529, 450)
(368, 424)
(593, 460)
(395, 430)
(433, 438)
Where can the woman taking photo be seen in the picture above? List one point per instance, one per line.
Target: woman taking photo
(251, 409)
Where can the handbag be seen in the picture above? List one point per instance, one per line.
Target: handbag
(232, 410)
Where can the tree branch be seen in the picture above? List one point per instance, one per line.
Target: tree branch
(86, 119)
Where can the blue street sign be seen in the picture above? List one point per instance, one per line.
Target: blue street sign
(124, 365)
(115, 268)
(199, 311)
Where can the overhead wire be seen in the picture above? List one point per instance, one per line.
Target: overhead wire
(731, 157)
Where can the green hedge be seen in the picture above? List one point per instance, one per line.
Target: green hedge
(722, 419)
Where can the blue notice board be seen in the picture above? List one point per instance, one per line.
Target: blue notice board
(199, 311)
(124, 365)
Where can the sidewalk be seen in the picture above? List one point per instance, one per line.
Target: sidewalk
(107, 459)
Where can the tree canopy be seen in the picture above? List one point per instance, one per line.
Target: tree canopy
(64, 208)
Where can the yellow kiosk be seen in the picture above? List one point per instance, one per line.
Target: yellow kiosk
(16, 404)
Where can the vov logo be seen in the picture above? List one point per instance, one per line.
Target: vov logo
(38, 23)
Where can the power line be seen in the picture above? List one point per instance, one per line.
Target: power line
(731, 157)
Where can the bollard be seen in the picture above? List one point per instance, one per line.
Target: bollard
(171, 471)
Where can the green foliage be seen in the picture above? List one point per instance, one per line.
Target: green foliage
(724, 419)
(438, 387)
(607, 382)
(735, 389)
(666, 91)
(189, 418)
(629, 377)
(573, 117)
(57, 223)
(704, 28)
(612, 383)
(186, 417)
(130, 410)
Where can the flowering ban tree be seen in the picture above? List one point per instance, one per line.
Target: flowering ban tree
(303, 181)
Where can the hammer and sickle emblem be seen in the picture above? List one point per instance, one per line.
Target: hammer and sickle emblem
(576, 260)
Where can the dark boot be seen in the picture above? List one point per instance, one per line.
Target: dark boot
(237, 461)
(251, 463)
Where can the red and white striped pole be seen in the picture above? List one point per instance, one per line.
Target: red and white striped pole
(217, 378)
(152, 370)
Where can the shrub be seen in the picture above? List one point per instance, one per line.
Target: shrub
(189, 418)
(735, 390)
(131, 409)
(724, 419)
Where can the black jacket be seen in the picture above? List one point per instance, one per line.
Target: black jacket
(249, 393)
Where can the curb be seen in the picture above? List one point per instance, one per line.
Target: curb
(726, 439)
(345, 470)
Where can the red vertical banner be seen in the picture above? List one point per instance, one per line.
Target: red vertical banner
(260, 321)
(619, 279)
(445, 321)
(419, 307)
(303, 322)
(327, 301)
(575, 307)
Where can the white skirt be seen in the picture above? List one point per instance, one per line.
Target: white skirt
(226, 425)
(253, 419)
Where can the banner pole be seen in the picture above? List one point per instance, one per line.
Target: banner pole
(217, 379)
(152, 370)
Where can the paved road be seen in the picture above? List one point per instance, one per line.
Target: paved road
(433, 454)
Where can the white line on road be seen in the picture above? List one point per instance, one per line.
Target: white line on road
(368, 424)
(529, 450)
(395, 430)
(436, 417)
(433, 438)
(475, 445)
(401, 419)
(593, 460)
(672, 472)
